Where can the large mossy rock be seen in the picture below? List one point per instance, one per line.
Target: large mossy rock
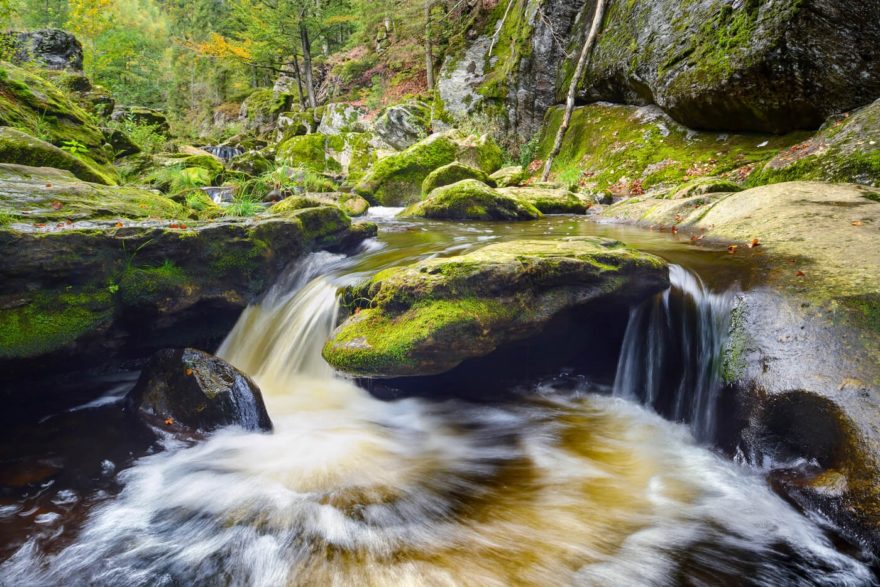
(48, 48)
(22, 149)
(548, 200)
(470, 199)
(402, 125)
(429, 317)
(397, 179)
(191, 389)
(31, 103)
(453, 173)
(746, 66)
(628, 149)
(846, 149)
(348, 154)
(511, 176)
(260, 111)
(96, 274)
(339, 118)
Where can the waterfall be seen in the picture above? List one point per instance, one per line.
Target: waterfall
(224, 152)
(671, 354)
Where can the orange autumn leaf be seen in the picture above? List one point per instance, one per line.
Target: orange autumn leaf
(169, 421)
(857, 223)
(56, 205)
(800, 274)
(755, 243)
(731, 249)
(189, 372)
(119, 225)
(674, 230)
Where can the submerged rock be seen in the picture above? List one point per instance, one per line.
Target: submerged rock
(190, 388)
(452, 173)
(470, 199)
(427, 318)
(548, 200)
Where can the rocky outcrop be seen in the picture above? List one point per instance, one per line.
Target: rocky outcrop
(347, 154)
(403, 125)
(97, 274)
(629, 150)
(511, 176)
(190, 389)
(427, 318)
(20, 148)
(846, 149)
(471, 199)
(48, 48)
(341, 118)
(260, 111)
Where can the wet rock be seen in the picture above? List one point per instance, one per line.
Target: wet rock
(348, 154)
(48, 48)
(253, 163)
(453, 173)
(427, 318)
(143, 116)
(192, 389)
(548, 200)
(470, 199)
(703, 186)
(512, 176)
(403, 125)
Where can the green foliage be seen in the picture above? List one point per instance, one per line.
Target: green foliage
(244, 206)
(146, 136)
(529, 151)
(74, 147)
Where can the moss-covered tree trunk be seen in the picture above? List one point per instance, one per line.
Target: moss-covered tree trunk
(583, 60)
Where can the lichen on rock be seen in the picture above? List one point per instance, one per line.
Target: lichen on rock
(470, 199)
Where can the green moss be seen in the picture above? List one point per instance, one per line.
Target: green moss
(266, 104)
(470, 199)
(387, 343)
(51, 320)
(22, 149)
(321, 223)
(306, 151)
(453, 173)
(625, 149)
(206, 162)
(733, 361)
(293, 203)
(397, 179)
(548, 201)
(144, 286)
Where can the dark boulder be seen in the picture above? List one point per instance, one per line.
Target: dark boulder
(190, 388)
(48, 48)
(142, 116)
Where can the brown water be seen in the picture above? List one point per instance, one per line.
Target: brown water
(561, 484)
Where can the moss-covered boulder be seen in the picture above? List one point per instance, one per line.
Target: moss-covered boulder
(427, 318)
(403, 125)
(19, 148)
(470, 199)
(548, 200)
(31, 103)
(511, 176)
(846, 149)
(397, 179)
(207, 162)
(260, 110)
(253, 163)
(453, 173)
(339, 118)
(348, 154)
(630, 150)
(748, 66)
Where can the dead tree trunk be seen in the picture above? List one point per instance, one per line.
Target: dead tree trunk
(307, 63)
(429, 50)
(583, 60)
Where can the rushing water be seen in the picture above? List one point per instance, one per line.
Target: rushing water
(557, 486)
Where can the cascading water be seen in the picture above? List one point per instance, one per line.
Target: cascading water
(672, 351)
(224, 152)
(558, 488)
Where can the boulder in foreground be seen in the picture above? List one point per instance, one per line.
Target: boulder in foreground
(427, 318)
(190, 388)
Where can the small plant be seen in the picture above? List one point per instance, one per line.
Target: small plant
(6, 218)
(570, 176)
(528, 151)
(146, 136)
(74, 147)
(244, 206)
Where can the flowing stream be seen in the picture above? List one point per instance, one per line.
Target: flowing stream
(572, 480)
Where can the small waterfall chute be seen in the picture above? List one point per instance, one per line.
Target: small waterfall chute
(224, 152)
(672, 352)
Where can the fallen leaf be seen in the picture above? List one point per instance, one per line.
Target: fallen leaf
(754, 243)
(674, 230)
(189, 372)
(731, 249)
(169, 421)
(40, 225)
(48, 185)
(857, 223)
(696, 238)
(173, 226)
(119, 225)
(800, 274)
(56, 205)
(183, 226)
